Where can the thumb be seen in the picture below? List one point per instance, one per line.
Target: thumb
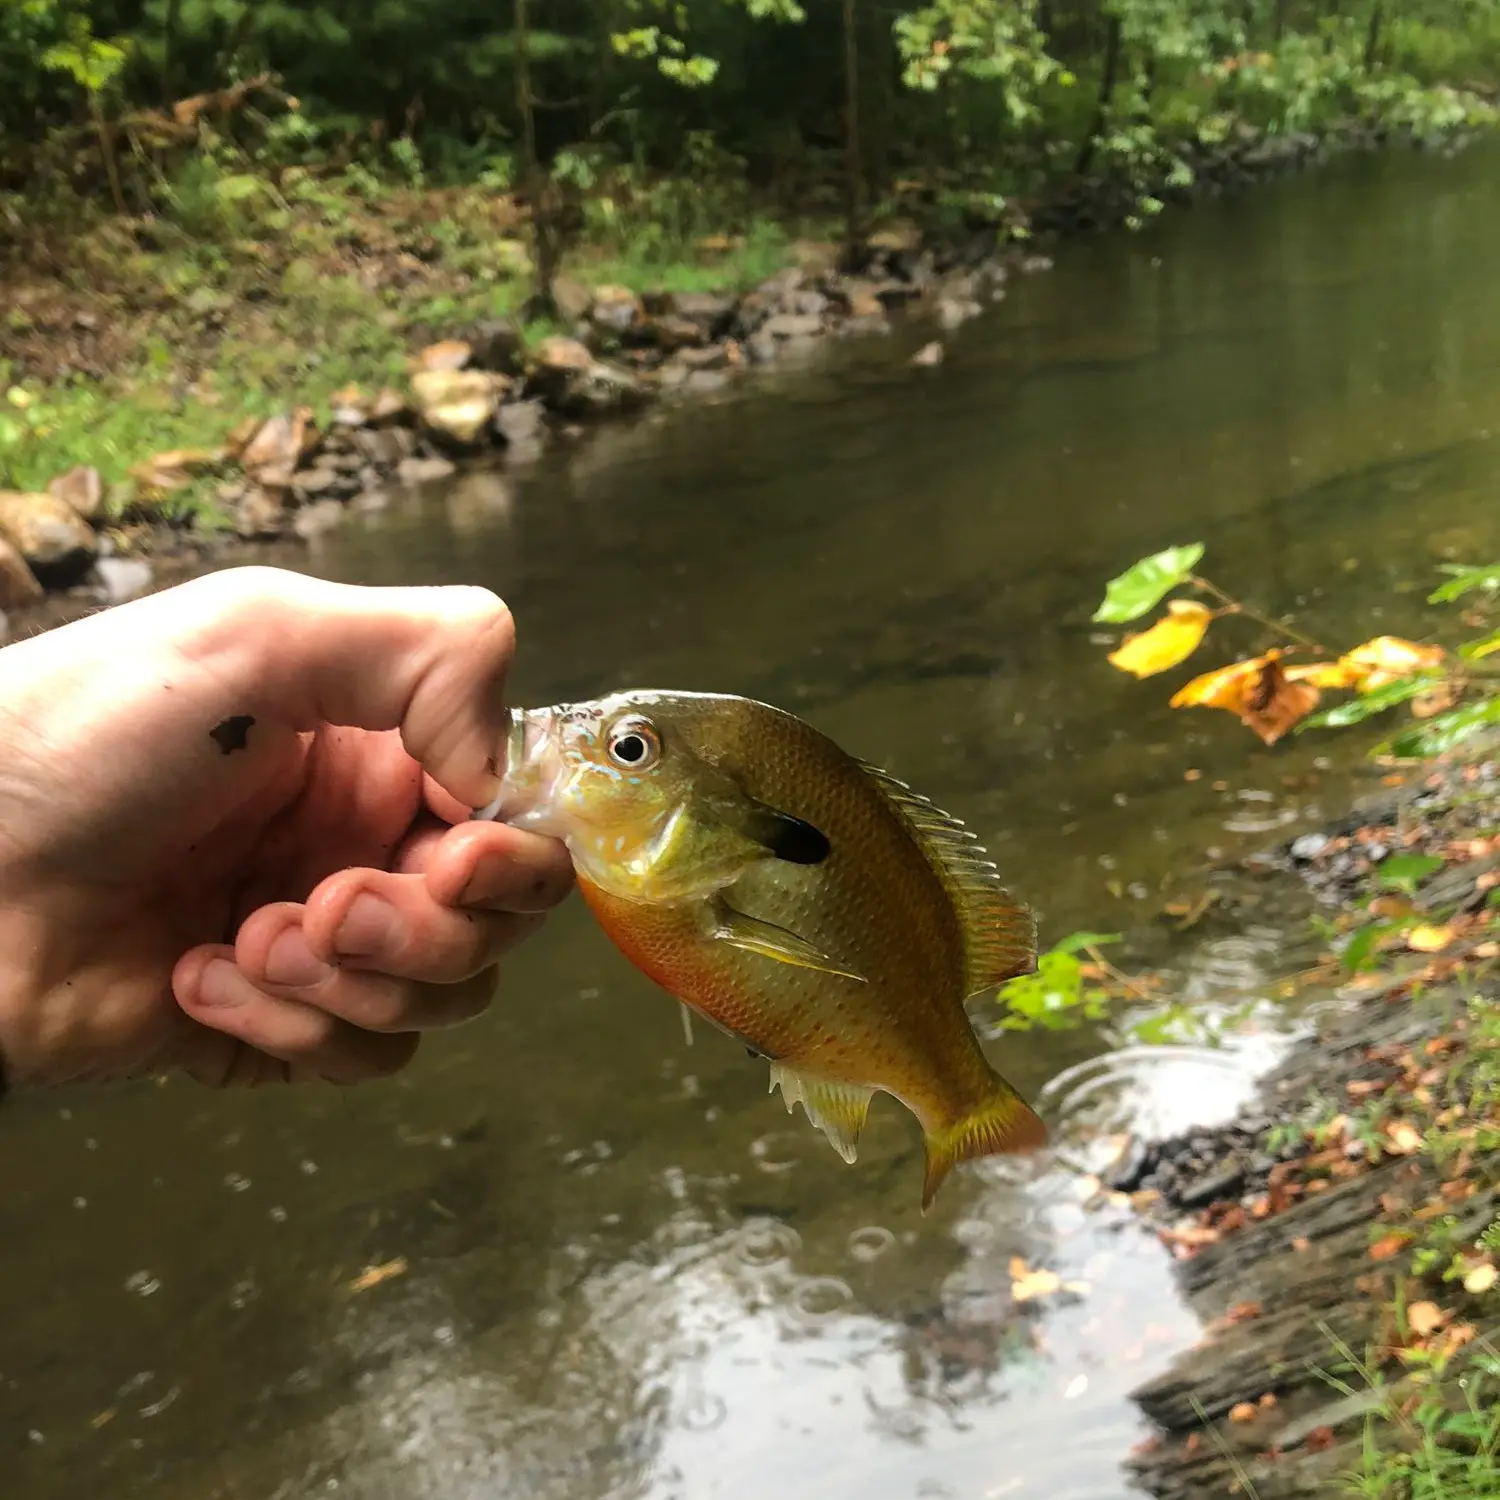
(429, 661)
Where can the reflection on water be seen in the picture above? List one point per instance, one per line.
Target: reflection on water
(627, 1273)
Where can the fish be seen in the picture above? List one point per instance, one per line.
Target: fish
(805, 902)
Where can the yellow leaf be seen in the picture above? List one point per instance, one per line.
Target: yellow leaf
(1402, 1139)
(374, 1275)
(1027, 1284)
(1481, 1279)
(1172, 639)
(1388, 658)
(1258, 692)
(1429, 939)
(1327, 674)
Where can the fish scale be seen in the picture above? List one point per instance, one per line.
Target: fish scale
(849, 973)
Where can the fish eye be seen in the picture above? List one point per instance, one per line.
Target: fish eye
(633, 743)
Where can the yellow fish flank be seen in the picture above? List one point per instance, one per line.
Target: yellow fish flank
(805, 902)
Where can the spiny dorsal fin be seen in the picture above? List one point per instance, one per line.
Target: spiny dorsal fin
(999, 932)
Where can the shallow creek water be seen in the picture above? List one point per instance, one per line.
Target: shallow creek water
(628, 1272)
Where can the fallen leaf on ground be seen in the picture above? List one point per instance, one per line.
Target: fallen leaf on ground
(374, 1275)
(1402, 1138)
(1429, 939)
(1387, 1246)
(1481, 1280)
(1319, 1439)
(1171, 640)
(1244, 1412)
(1301, 1244)
(1268, 1401)
(1424, 1318)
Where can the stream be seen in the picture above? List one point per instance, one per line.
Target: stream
(623, 1272)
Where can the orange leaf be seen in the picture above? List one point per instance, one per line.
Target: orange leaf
(1402, 1138)
(374, 1275)
(1390, 1245)
(1244, 1412)
(1257, 692)
(1327, 674)
(1320, 1439)
(1171, 640)
(1268, 1401)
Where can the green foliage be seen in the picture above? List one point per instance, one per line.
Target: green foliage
(1406, 872)
(1059, 995)
(1144, 585)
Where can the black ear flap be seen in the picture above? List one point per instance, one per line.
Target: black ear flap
(788, 838)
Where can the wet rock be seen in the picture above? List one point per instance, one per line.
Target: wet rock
(1130, 1169)
(82, 488)
(792, 326)
(807, 302)
(389, 406)
(1211, 1187)
(57, 544)
(562, 355)
(710, 357)
(570, 380)
(278, 446)
(615, 309)
(711, 311)
(449, 354)
(322, 480)
(459, 404)
(1309, 846)
(861, 300)
(18, 584)
(260, 515)
(520, 422)
(498, 346)
(929, 354)
(953, 312)
(385, 447)
(670, 332)
(122, 578)
(414, 471)
(317, 519)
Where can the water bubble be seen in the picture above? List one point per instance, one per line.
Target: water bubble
(702, 1412)
(243, 1293)
(156, 1408)
(444, 1334)
(36, 1438)
(277, 1215)
(765, 1242)
(307, 1167)
(80, 1203)
(91, 1144)
(822, 1296)
(236, 1183)
(871, 1242)
(142, 1283)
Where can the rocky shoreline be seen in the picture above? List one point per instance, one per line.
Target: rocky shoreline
(484, 397)
(1299, 1226)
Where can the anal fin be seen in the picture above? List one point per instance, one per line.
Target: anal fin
(839, 1110)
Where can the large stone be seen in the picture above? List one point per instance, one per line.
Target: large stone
(562, 354)
(82, 488)
(57, 544)
(260, 515)
(520, 422)
(18, 585)
(498, 345)
(459, 404)
(792, 326)
(670, 332)
(449, 354)
(711, 311)
(615, 309)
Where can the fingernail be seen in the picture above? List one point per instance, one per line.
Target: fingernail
(220, 985)
(291, 962)
(366, 928)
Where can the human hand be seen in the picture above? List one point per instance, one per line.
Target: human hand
(233, 836)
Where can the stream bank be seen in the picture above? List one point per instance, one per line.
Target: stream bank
(1332, 1236)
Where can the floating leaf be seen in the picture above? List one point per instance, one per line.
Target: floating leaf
(1443, 733)
(1257, 692)
(1142, 587)
(1171, 640)
(1327, 674)
(1463, 581)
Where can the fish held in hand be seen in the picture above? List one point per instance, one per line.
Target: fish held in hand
(805, 902)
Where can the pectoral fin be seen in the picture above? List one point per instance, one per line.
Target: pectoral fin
(779, 833)
(768, 940)
(839, 1110)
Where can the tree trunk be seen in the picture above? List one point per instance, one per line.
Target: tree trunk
(853, 167)
(533, 179)
(1372, 36)
(1106, 96)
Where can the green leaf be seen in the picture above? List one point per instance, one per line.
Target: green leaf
(1077, 941)
(1359, 952)
(1484, 646)
(1464, 580)
(1354, 710)
(1142, 587)
(1444, 732)
(1405, 872)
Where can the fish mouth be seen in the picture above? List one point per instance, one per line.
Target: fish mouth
(530, 761)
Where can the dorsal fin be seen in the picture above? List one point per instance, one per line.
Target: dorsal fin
(999, 932)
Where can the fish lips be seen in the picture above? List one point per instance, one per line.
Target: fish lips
(528, 745)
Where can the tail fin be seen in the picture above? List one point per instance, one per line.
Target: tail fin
(1003, 1123)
